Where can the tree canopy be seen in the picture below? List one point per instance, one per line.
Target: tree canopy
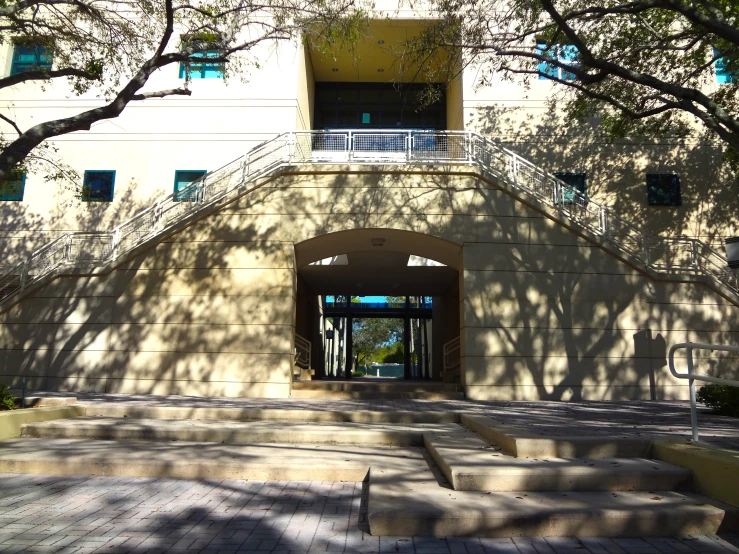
(369, 335)
(112, 48)
(641, 66)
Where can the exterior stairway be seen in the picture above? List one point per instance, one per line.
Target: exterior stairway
(428, 474)
(98, 252)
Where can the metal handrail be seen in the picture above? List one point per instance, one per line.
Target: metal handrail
(302, 352)
(451, 362)
(691, 376)
(665, 255)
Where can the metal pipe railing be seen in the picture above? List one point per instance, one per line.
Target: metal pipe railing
(362, 146)
(692, 376)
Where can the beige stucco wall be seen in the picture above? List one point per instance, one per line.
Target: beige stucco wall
(211, 311)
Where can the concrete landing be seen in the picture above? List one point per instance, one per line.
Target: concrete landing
(471, 464)
(235, 432)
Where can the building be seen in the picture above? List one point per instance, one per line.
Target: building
(552, 294)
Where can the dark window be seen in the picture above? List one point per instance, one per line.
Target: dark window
(663, 189)
(182, 178)
(562, 53)
(577, 181)
(27, 58)
(377, 106)
(97, 186)
(12, 189)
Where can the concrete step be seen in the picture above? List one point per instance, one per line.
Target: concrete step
(397, 508)
(267, 414)
(372, 395)
(234, 432)
(472, 464)
(525, 444)
(190, 460)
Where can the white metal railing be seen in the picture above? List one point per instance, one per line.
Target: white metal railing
(684, 256)
(691, 375)
(302, 352)
(452, 357)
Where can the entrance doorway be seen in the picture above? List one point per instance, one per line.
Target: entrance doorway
(377, 337)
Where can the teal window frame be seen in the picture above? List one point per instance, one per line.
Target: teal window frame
(724, 76)
(12, 190)
(564, 53)
(203, 70)
(29, 58)
(663, 189)
(98, 193)
(576, 180)
(180, 184)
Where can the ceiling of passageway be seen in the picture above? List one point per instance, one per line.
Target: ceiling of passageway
(376, 50)
(377, 262)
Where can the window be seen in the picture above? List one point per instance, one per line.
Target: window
(563, 53)
(663, 189)
(577, 181)
(203, 70)
(27, 58)
(11, 189)
(724, 74)
(182, 178)
(97, 186)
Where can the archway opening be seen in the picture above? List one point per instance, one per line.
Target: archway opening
(378, 304)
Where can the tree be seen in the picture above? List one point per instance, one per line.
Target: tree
(113, 47)
(641, 66)
(370, 334)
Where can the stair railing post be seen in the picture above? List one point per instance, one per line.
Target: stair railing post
(645, 246)
(408, 146)
(691, 385)
(603, 221)
(694, 254)
(116, 241)
(68, 248)
(24, 274)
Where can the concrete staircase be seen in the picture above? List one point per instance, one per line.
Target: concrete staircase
(430, 473)
(377, 390)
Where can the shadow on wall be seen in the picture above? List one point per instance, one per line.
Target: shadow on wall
(210, 311)
(616, 171)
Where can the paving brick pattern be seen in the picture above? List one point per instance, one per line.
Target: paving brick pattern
(71, 514)
(598, 418)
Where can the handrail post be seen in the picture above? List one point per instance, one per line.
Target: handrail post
(349, 145)
(116, 242)
(24, 274)
(68, 248)
(603, 221)
(409, 146)
(691, 385)
(645, 245)
(694, 252)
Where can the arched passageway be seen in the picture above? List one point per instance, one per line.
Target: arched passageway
(378, 282)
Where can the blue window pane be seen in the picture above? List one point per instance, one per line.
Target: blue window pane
(723, 74)
(98, 186)
(12, 189)
(26, 58)
(566, 53)
(203, 70)
(544, 67)
(182, 178)
(663, 189)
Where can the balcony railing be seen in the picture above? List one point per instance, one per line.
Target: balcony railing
(682, 256)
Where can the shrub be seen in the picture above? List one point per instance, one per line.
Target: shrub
(723, 399)
(358, 374)
(7, 399)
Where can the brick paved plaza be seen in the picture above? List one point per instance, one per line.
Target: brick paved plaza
(123, 514)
